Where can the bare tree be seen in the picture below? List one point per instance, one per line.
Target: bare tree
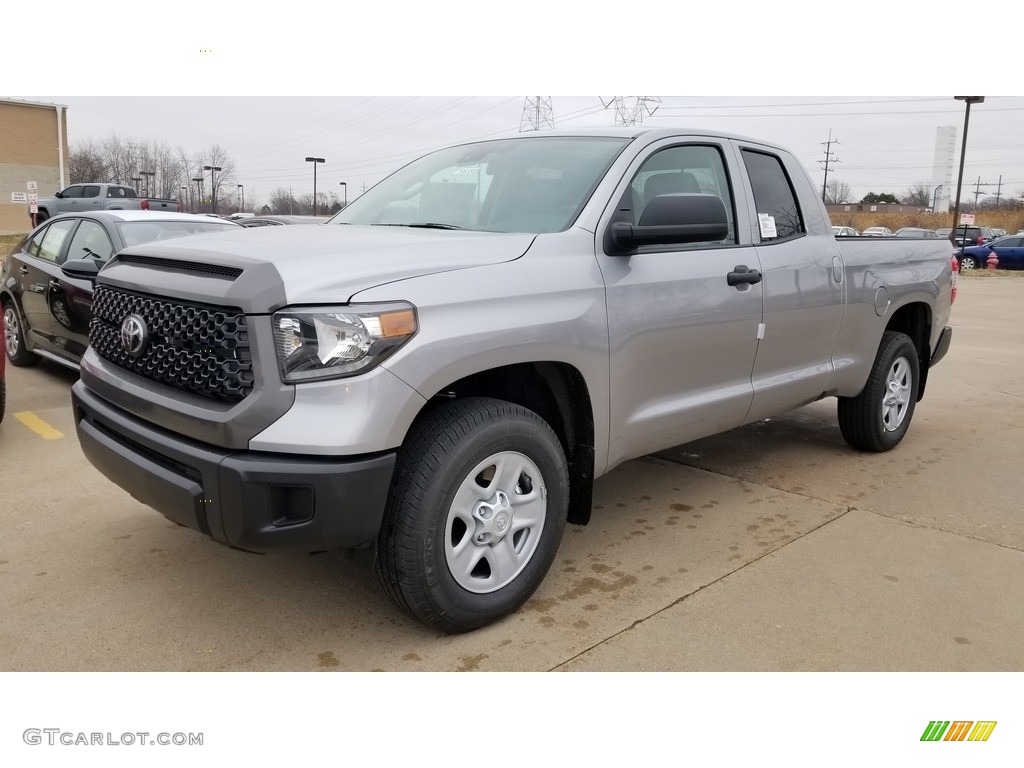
(86, 164)
(837, 191)
(920, 194)
(282, 202)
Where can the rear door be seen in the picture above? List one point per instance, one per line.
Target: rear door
(38, 271)
(803, 288)
(682, 340)
(1010, 252)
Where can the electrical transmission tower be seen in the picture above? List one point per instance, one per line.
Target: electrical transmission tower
(630, 110)
(826, 162)
(538, 114)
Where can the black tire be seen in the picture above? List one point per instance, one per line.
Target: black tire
(878, 418)
(14, 339)
(465, 493)
(968, 262)
(41, 216)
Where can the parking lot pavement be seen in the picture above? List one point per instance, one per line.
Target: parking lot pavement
(774, 547)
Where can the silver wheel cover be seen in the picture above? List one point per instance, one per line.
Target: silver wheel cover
(495, 522)
(896, 400)
(11, 331)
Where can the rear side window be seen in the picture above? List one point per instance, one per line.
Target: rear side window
(54, 238)
(91, 190)
(778, 215)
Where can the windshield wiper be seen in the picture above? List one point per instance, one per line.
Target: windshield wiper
(422, 225)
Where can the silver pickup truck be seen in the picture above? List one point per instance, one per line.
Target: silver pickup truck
(99, 197)
(445, 367)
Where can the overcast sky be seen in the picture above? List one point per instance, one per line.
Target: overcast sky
(272, 84)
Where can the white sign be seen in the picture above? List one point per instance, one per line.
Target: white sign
(18, 197)
(31, 186)
(33, 207)
(966, 218)
(33, 197)
(767, 223)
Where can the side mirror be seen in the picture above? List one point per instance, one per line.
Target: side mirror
(58, 194)
(80, 269)
(674, 219)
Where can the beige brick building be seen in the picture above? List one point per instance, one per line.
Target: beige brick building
(33, 147)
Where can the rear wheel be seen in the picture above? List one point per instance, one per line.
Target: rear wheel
(878, 418)
(14, 339)
(475, 516)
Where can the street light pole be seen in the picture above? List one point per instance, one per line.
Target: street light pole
(968, 100)
(138, 183)
(183, 195)
(213, 186)
(342, 183)
(199, 186)
(241, 193)
(314, 161)
(149, 177)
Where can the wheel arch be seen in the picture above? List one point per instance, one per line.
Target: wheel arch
(915, 320)
(558, 393)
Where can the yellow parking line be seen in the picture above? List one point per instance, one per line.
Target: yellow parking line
(38, 426)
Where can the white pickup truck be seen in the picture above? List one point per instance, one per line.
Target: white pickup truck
(444, 368)
(99, 197)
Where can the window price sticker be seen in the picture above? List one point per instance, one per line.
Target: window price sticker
(767, 223)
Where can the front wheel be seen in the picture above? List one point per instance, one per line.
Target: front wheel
(878, 418)
(476, 514)
(968, 262)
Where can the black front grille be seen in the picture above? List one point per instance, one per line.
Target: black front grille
(200, 349)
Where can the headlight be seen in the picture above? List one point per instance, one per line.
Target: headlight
(330, 342)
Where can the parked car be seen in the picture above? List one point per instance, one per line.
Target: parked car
(47, 311)
(971, 236)
(944, 232)
(845, 232)
(1009, 250)
(445, 368)
(3, 378)
(877, 232)
(275, 221)
(81, 198)
(916, 232)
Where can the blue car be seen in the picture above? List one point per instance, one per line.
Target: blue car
(1009, 250)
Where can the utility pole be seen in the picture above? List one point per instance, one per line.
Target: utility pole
(999, 190)
(538, 114)
(630, 110)
(977, 191)
(827, 161)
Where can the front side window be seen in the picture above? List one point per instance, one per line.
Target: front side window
(778, 215)
(90, 241)
(72, 192)
(688, 169)
(533, 185)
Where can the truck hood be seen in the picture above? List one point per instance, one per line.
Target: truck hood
(329, 263)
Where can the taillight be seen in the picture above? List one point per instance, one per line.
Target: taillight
(144, 204)
(956, 279)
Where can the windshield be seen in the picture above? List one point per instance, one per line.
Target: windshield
(138, 232)
(534, 185)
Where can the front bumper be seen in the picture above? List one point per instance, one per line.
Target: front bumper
(259, 502)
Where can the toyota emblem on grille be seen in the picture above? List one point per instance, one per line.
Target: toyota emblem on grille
(134, 335)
